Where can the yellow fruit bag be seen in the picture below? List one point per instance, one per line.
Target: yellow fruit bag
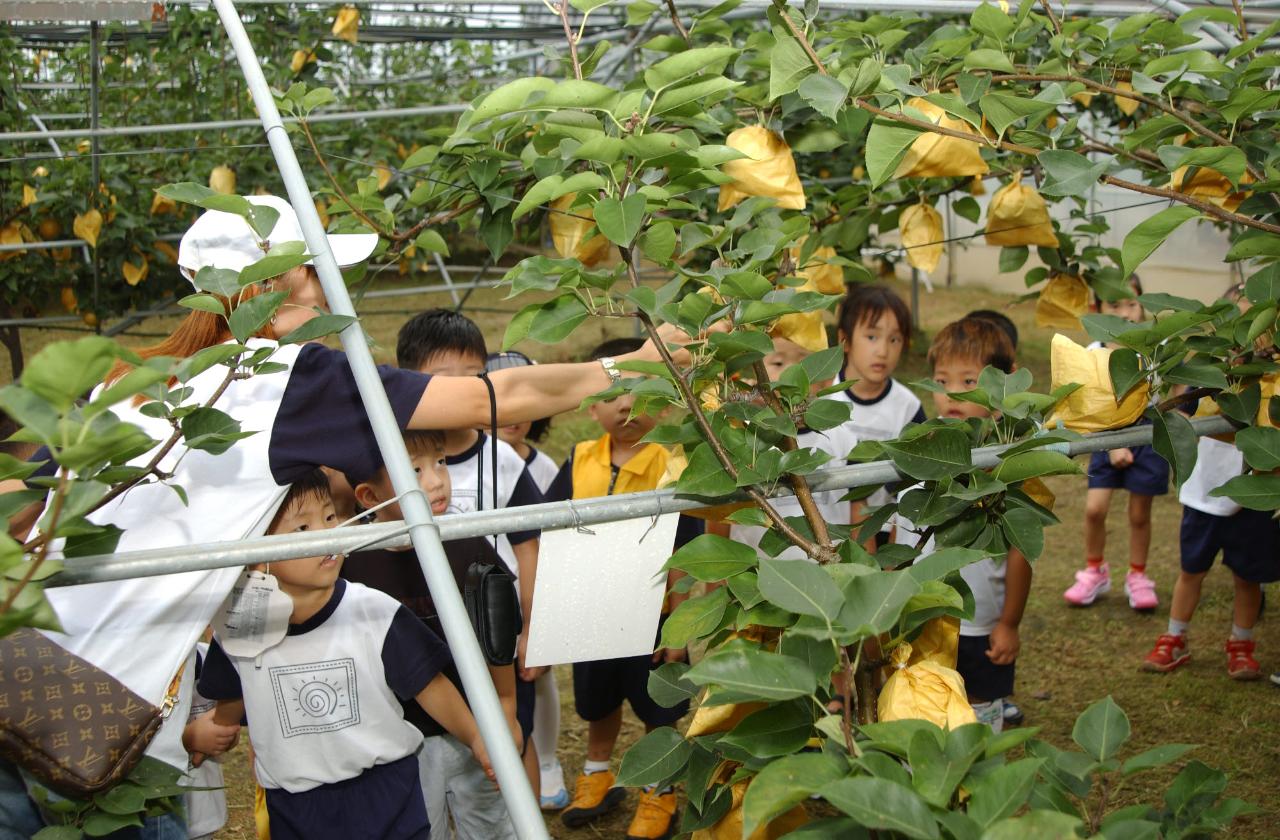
(1061, 303)
(936, 155)
(347, 24)
(924, 691)
(1017, 215)
(223, 179)
(1126, 105)
(768, 170)
(821, 275)
(922, 235)
(569, 229)
(1092, 407)
(1210, 185)
(729, 827)
(87, 226)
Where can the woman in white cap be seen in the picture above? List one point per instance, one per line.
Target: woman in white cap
(141, 631)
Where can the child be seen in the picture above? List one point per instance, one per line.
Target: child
(989, 642)
(1141, 471)
(453, 783)
(875, 330)
(331, 745)
(205, 740)
(444, 342)
(546, 709)
(837, 443)
(619, 462)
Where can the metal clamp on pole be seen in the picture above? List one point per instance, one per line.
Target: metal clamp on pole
(525, 814)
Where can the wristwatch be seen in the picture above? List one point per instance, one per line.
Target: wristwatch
(611, 368)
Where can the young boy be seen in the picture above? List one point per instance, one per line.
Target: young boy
(875, 330)
(989, 642)
(1141, 471)
(332, 747)
(619, 462)
(444, 342)
(837, 443)
(453, 783)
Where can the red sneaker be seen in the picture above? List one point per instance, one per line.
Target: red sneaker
(1240, 662)
(1170, 652)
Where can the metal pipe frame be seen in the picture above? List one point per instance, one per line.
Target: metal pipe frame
(425, 536)
(545, 516)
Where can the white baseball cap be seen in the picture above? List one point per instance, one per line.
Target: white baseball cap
(224, 240)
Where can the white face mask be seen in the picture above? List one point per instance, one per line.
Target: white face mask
(255, 616)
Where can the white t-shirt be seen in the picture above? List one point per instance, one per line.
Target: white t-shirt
(1216, 464)
(324, 705)
(541, 468)
(882, 418)
(140, 630)
(986, 579)
(837, 443)
(471, 472)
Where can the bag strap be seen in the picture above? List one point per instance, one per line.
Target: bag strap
(171, 693)
(493, 437)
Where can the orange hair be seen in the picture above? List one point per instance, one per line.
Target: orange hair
(974, 339)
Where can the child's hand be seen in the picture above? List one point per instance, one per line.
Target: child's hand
(482, 757)
(670, 655)
(203, 738)
(526, 674)
(1004, 644)
(1121, 458)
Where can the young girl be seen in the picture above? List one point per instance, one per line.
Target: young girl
(1141, 471)
(546, 715)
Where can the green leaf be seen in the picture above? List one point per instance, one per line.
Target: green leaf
(1174, 440)
(940, 453)
(667, 685)
(1260, 446)
(935, 773)
(64, 371)
(658, 243)
(783, 784)
(253, 314)
(1069, 173)
(1192, 790)
(788, 64)
(1151, 233)
(684, 64)
(1003, 791)
(704, 476)
(270, 266)
(887, 144)
(709, 557)
(967, 207)
(123, 800)
(943, 562)
(432, 242)
(1226, 160)
(825, 94)
(826, 414)
(799, 586)
(1024, 529)
(992, 22)
(556, 319)
(746, 674)
(219, 281)
(1042, 825)
(58, 832)
(656, 757)
(780, 729)
(211, 430)
(1101, 729)
(873, 602)
(318, 327)
(1155, 757)
(1125, 367)
(1033, 464)
(1003, 110)
(555, 186)
(987, 59)
(204, 303)
(882, 804)
(1013, 258)
(694, 618)
(620, 221)
(100, 824)
(510, 97)
(1252, 245)
(1256, 492)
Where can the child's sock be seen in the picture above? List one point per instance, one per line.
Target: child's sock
(1094, 562)
(1178, 628)
(665, 790)
(589, 767)
(1134, 567)
(1238, 632)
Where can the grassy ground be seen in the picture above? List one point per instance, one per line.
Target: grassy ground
(1069, 657)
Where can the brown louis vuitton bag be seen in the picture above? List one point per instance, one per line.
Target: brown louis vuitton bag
(68, 723)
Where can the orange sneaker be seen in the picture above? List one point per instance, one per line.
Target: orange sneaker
(1170, 652)
(655, 817)
(1240, 662)
(593, 796)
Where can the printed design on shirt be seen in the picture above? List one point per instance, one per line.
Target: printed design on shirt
(316, 697)
(462, 500)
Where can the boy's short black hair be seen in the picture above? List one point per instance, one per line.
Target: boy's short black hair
(865, 303)
(617, 347)
(1001, 320)
(312, 485)
(438, 331)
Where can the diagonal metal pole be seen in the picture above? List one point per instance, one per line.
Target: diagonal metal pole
(525, 813)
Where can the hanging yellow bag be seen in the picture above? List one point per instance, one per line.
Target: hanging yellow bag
(569, 229)
(937, 155)
(1092, 407)
(768, 170)
(938, 642)
(347, 24)
(1017, 215)
(924, 691)
(729, 827)
(135, 274)
(922, 236)
(223, 179)
(161, 205)
(1210, 185)
(1039, 493)
(1061, 303)
(301, 58)
(1126, 105)
(818, 272)
(87, 226)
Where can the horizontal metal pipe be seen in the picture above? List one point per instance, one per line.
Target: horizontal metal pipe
(550, 515)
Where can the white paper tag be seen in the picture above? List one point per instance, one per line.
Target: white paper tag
(255, 616)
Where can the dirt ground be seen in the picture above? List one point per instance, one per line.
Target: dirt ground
(1070, 657)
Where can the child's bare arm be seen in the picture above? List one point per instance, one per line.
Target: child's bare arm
(858, 515)
(214, 732)
(1005, 642)
(445, 705)
(504, 682)
(527, 562)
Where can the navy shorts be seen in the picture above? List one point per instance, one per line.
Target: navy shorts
(525, 700)
(984, 680)
(1249, 542)
(382, 802)
(1148, 475)
(599, 688)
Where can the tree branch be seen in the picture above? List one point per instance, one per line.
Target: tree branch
(781, 6)
(675, 20)
(563, 9)
(1053, 18)
(342, 194)
(55, 512)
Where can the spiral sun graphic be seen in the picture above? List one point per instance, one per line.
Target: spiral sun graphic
(319, 697)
